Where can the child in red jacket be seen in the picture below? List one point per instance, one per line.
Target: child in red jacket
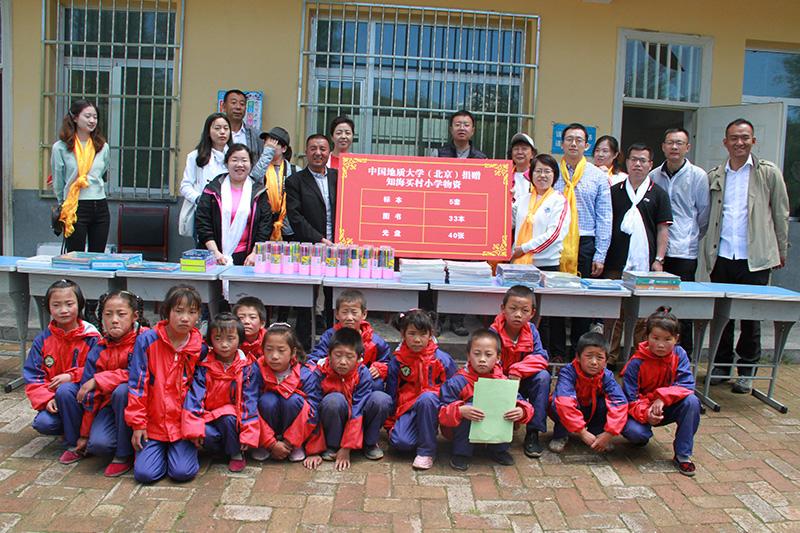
(415, 374)
(104, 387)
(54, 366)
(525, 359)
(587, 400)
(456, 411)
(220, 412)
(289, 398)
(351, 412)
(351, 312)
(253, 315)
(161, 370)
(659, 384)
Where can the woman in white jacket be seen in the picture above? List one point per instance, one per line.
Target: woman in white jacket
(203, 164)
(542, 218)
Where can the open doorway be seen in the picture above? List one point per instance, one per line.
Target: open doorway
(647, 125)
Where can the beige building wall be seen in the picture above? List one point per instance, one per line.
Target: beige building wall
(255, 45)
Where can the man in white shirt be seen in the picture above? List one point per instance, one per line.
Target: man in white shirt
(747, 237)
(234, 105)
(687, 187)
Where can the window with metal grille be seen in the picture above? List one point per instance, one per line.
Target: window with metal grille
(126, 57)
(666, 69)
(400, 72)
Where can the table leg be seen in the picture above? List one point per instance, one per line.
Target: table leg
(21, 301)
(630, 308)
(43, 311)
(699, 330)
(781, 335)
(718, 323)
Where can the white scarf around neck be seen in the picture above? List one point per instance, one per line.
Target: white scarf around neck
(232, 230)
(633, 225)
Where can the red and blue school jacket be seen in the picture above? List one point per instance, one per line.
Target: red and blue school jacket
(305, 428)
(459, 390)
(254, 350)
(574, 390)
(525, 358)
(55, 351)
(648, 377)
(218, 391)
(159, 378)
(356, 386)
(107, 363)
(376, 350)
(410, 374)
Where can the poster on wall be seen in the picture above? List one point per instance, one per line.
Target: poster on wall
(426, 207)
(255, 100)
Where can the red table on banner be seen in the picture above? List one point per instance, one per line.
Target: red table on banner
(426, 207)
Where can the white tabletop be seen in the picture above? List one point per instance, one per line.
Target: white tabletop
(248, 274)
(210, 275)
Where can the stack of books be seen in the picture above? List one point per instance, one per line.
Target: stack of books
(422, 271)
(600, 284)
(75, 260)
(560, 280)
(154, 266)
(650, 281)
(115, 261)
(509, 275)
(469, 273)
(198, 261)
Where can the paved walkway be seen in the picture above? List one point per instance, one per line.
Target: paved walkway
(748, 479)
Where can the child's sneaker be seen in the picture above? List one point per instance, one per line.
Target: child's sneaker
(532, 446)
(503, 457)
(422, 462)
(686, 468)
(558, 444)
(237, 463)
(70, 457)
(373, 452)
(259, 454)
(117, 469)
(459, 462)
(297, 454)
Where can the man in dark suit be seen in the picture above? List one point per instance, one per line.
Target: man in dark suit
(311, 208)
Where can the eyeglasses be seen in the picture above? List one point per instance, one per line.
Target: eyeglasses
(675, 143)
(641, 160)
(574, 140)
(543, 172)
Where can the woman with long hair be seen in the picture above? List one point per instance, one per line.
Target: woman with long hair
(606, 157)
(79, 160)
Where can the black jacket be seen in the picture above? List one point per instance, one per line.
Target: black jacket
(305, 206)
(449, 150)
(208, 219)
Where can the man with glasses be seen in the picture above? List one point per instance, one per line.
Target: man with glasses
(640, 228)
(586, 188)
(687, 187)
(747, 237)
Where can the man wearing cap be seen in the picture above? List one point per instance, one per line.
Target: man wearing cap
(521, 153)
(275, 166)
(234, 105)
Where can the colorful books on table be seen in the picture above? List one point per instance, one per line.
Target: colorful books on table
(154, 266)
(509, 275)
(198, 260)
(75, 260)
(115, 261)
(477, 273)
(560, 280)
(650, 281)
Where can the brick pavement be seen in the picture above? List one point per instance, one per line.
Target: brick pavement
(748, 479)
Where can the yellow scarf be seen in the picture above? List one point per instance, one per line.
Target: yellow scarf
(84, 155)
(526, 229)
(569, 257)
(276, 198)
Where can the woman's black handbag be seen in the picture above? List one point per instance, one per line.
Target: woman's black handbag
(55, 222)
